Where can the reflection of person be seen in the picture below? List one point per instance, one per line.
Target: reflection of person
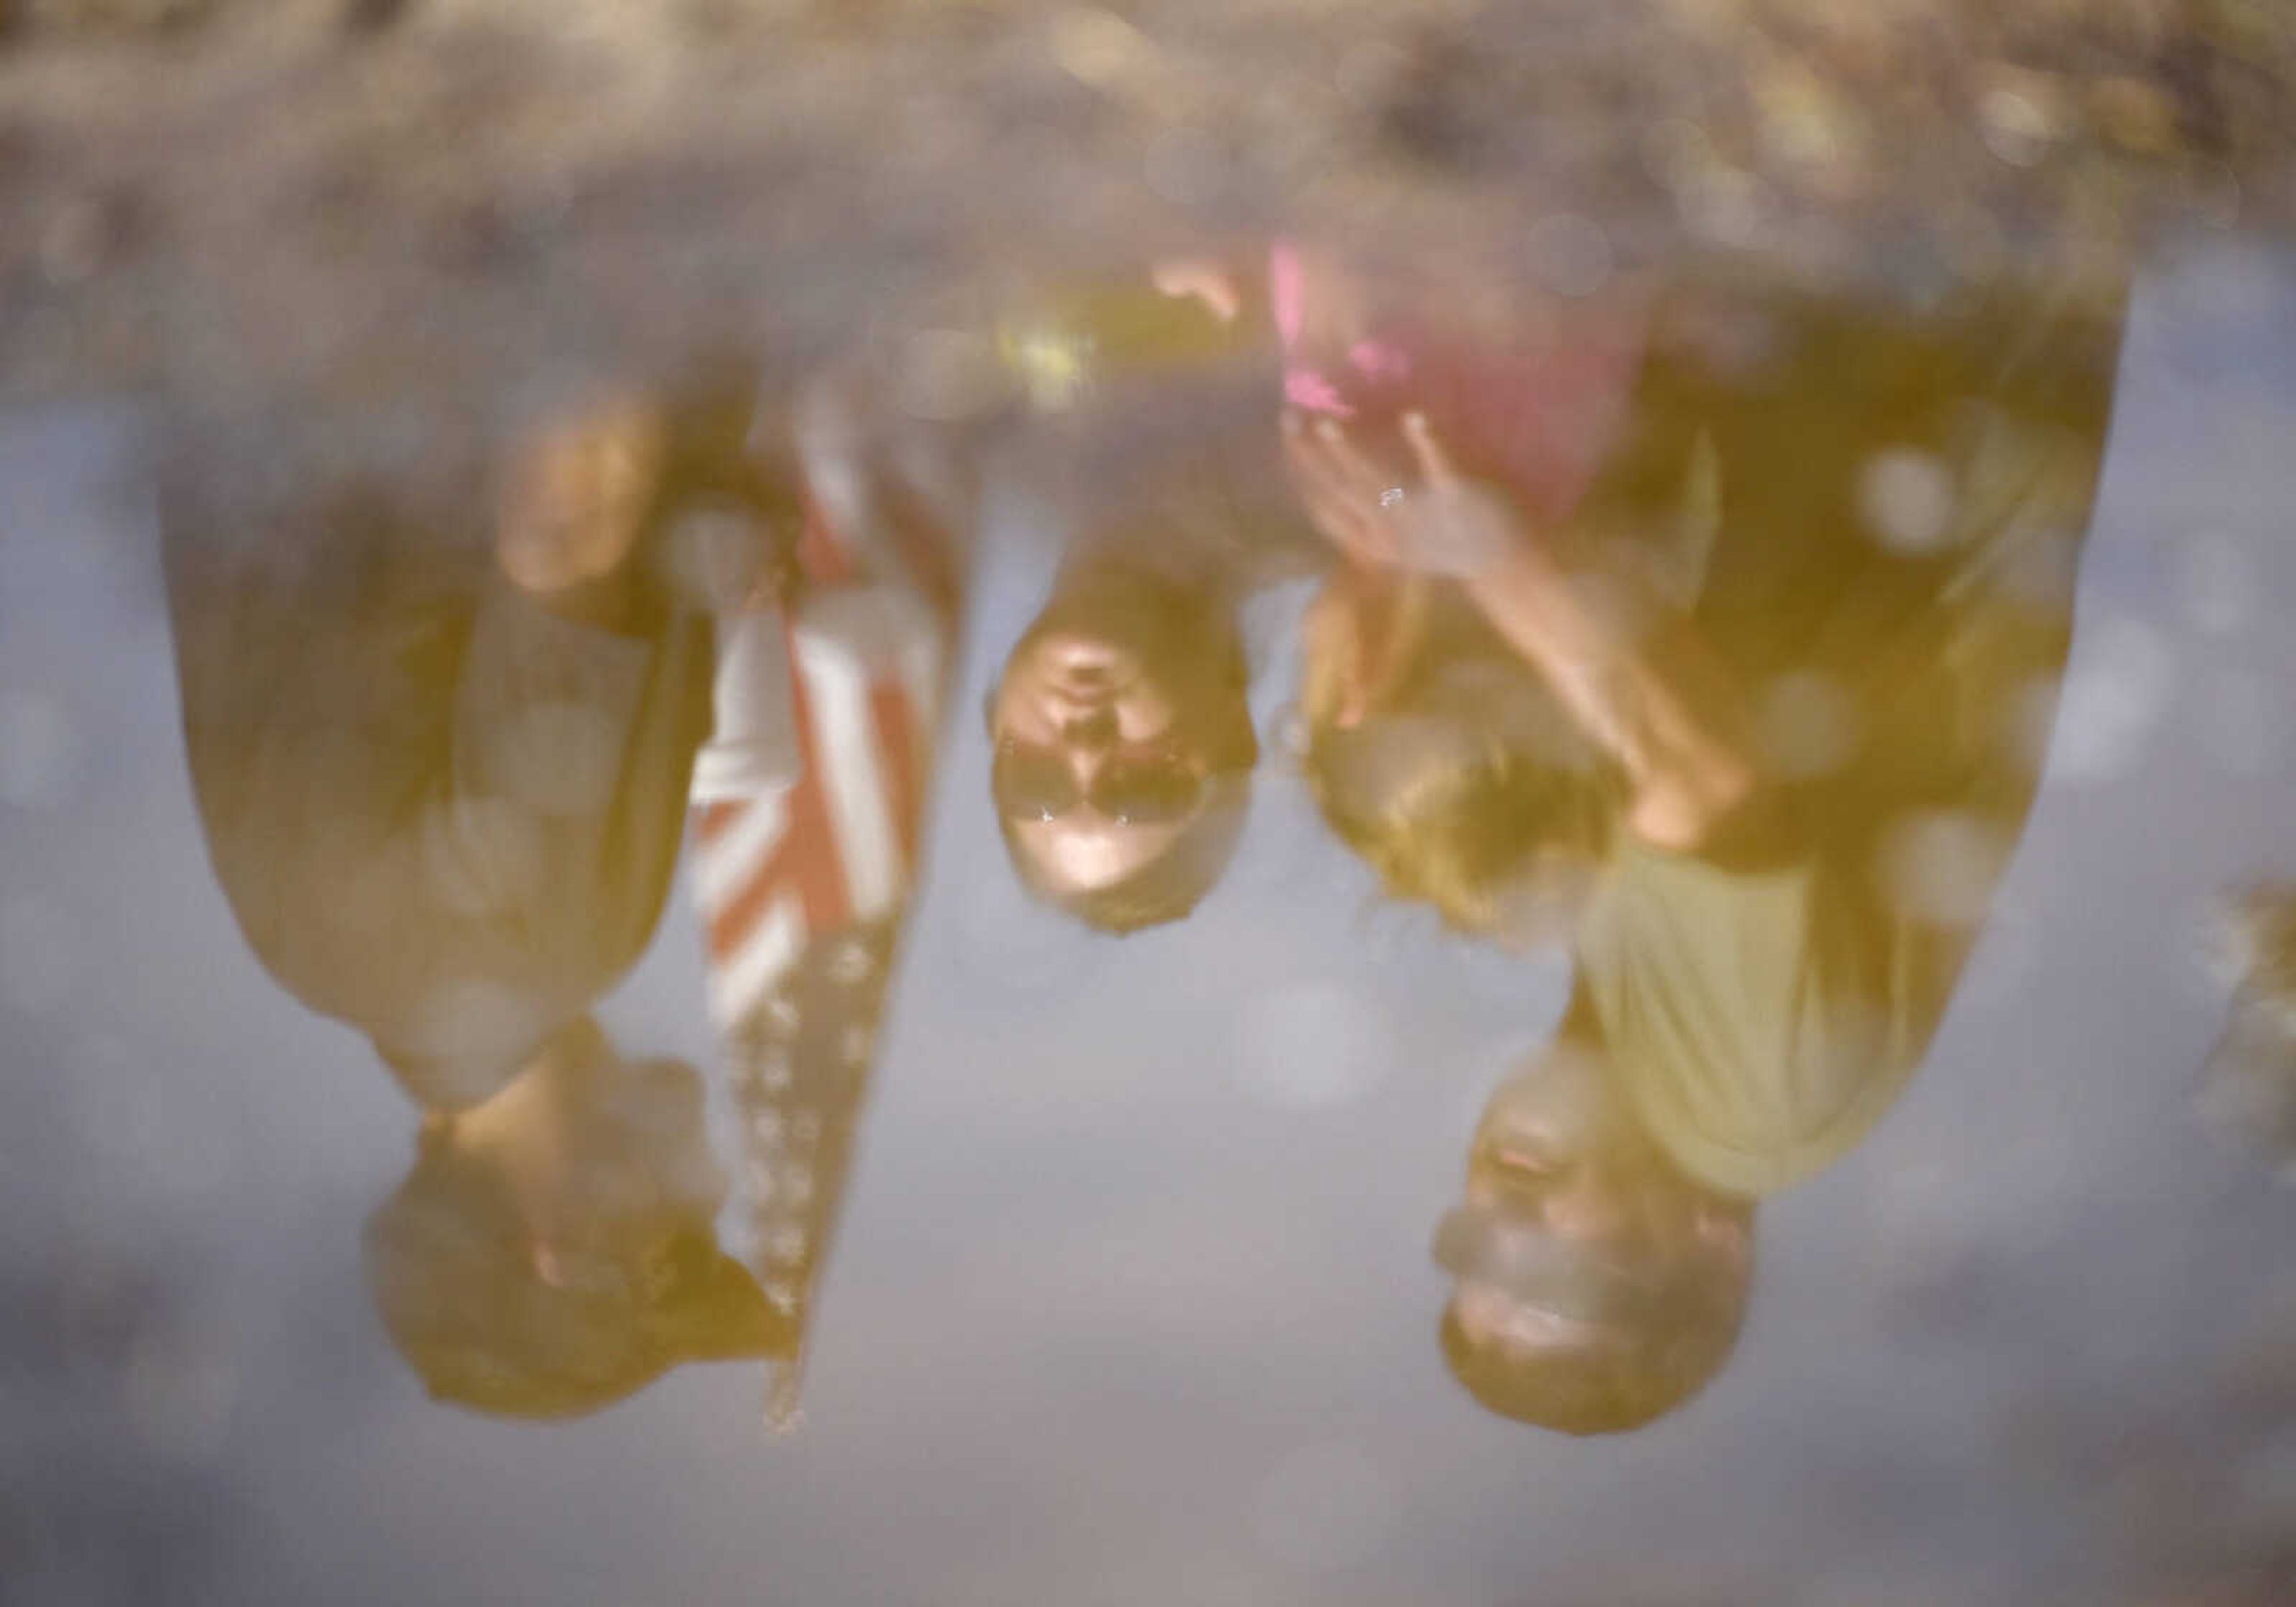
(1124, 745)
(1526, 390)
(1122, 736)
(1802, 637)
(1597, 1287)
(441, 788)
(443, 782)
(552, 1248)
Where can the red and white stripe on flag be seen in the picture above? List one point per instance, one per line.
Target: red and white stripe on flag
(837, 846)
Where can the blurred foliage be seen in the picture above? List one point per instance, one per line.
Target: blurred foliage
(390, 192)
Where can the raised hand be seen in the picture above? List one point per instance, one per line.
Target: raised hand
(1436, 522)
(1206, 282)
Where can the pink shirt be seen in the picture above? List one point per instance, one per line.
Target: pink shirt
(1537, 414)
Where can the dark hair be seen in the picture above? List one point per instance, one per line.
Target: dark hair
(1612, 1389)
(449, 1265)
(1190, 624)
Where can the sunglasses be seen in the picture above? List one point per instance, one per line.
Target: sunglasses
(1036, 783)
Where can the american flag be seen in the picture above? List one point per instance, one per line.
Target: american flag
(802, 873)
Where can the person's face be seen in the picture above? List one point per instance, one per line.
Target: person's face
(610, 1163)
(574, 496)
(1099, 766)
(1574, 1232)
(640, 1151)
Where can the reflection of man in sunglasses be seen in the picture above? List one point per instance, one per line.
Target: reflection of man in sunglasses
(1122, 734)
(1123, 745)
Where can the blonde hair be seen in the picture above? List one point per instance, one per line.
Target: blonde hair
(1493, 827)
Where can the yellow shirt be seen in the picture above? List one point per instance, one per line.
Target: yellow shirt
(1890, 581)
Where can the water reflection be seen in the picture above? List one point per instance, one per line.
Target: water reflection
(1708, 632)
(552, 1246)
(2248, 1086)
(443, 765)
(1123, 744)
(810, 799)
(1748, 709)
(1711, 631)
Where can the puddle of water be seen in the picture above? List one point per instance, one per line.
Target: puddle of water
(1295, 924)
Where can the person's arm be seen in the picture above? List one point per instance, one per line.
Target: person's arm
(1640, 682)
(445, 823)
(530, 787)
(1216, 285)
(577, 703)
(1631, 670)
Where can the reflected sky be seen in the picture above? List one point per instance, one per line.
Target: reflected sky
(1127, 1290)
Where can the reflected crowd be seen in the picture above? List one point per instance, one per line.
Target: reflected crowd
(1703, 629)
